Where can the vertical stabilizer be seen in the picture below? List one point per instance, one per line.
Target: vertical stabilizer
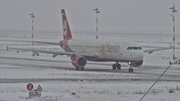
(66, 30)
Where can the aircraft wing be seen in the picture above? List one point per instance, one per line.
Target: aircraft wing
(55, 53)
(156, 49)
(41, 42)
(52, 43)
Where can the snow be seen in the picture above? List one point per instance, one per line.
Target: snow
(92, 91)
(60, 82)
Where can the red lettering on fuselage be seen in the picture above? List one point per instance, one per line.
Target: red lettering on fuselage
(109, 48)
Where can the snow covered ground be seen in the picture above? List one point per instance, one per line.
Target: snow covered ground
(97, 83)
(91, 91)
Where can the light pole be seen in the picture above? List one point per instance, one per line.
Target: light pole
(173, 19)
(32, 16)
(96, 11)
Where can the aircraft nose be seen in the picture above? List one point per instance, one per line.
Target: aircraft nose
(136, 55)
(140, 55)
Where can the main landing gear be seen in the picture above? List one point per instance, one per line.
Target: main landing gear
(116, 66)
(81, 68)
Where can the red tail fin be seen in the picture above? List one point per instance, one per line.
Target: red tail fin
(66, 30)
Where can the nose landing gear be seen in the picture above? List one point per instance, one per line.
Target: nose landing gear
(130, 68)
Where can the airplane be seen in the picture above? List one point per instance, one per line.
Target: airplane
(32, 15)
(81, 51)
(96, 9)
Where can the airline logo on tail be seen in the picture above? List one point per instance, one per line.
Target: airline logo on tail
(66, 30)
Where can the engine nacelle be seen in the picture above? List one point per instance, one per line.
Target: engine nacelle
(79, 61)
(136, 64)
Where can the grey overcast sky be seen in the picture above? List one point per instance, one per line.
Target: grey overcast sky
(115, 15)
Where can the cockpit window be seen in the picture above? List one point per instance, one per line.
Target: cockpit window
(129, 48)
(139, 48)
(134, 48)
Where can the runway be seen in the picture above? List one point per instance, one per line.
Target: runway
(144, 73)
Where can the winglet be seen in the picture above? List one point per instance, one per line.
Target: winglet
(171, 47)
(150, 52)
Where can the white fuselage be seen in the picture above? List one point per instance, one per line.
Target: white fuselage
(108, 50)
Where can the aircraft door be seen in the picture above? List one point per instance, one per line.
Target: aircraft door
(122, 48)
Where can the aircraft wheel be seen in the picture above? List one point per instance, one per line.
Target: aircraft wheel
(119, 66)
(33, 54)
(114, 66)
(82, 68)
(77, 68)
(131, 70)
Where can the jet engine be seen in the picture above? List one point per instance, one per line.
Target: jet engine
(79, 61)
(136, 64)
